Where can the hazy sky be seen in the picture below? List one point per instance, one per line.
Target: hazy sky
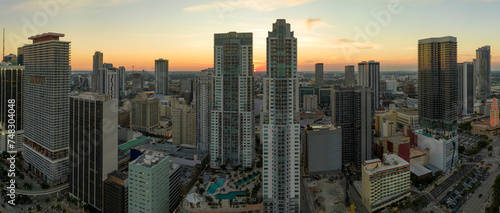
(334, 32)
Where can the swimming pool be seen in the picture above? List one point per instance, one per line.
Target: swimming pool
(214, 186)
(230, 195)
(241, 182)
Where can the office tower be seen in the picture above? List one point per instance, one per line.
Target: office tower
(174, 194)
(20, 56)
(232, 118)
(108, 66)
(322, 148)
(11, 87)
(352, 111)
(137, 82)
(122, 78)
(384, 182)
(318, 74)
(47, 78)
(144, 114)
(349, 75)
(369, 76)
(96, 69)
(112, 84)
(466, 88)
(437, 105)
(482, 69)
(183, 124)
(203, 100)
(149, 177)
(116, 193)
(280, 126)
(161, 75)
(310, 103)
(93, 145)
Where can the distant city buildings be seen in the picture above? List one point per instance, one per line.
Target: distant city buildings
(482, 70)
(369, 76)
(47, 80)
(136, 82)
(318, 74)
(232, 118)
(280, 128)
(11, 87)
(96, 72)
(310, 103)
(349, 78)
(93, 145)
(203, 99)
(161, 76)
(489, 127)
(122, 78)
(144, 115)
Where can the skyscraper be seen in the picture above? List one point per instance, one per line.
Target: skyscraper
(46, 107)
(183, 124)
(97, 65)
(203, 100)
(349, 75)
(280, 128)
(112, 84)
(11, 87)
(352, 111)
(232, 118)
(482, 71)
(369, 76)
(466, 88)
(137, 82)
(93, 145)
(438, 95)
(161, 75)
(318, 74)
(144, 115)
(122, 76)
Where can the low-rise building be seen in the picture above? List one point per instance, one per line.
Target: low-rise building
(388, 116)
(408, 117)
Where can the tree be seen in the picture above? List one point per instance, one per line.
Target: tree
(461, 149)
(490, 148)
(202, 190)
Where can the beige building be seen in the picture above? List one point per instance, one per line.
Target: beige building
(310, 103)
(488, 127)
(409, 117)
(388, 128)
(384, 181)
(183, 124)
(144, 115)
(388, 116)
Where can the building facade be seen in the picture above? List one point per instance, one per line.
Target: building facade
(112, 84)
(93, 145)
(318, 74)
(349, 78)
(369, 76)
(203, 100)
(279, 119)
(409, 118)
(122, 76)
(97, 65)
(232, 117)
(144, 115)
(466, 88)
(116, 193)
(322, 148)
(161, 74)
(482, 70)
(47, 80)
(136, 82)
(310, 103)
(183, 124)
(11, 87)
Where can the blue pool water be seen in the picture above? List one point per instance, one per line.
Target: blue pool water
(240, 182)
(230, 195)
(214, 186)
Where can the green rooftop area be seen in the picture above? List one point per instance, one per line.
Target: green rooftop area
(133, 143)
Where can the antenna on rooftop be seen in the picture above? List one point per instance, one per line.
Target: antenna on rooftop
(3, 52)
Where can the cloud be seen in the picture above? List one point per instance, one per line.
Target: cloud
(352, 44)
(312, 21)
(260, 5)
(34, 5)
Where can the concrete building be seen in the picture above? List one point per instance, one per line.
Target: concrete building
(280, 125)
(47, 78)
(408, 117)
(122, 76)
(398, 145)
(389, 116)
(387, 128)
(323, 94)
(149, 178)
(318, 74)
(97, 62)
(322, 149)
(349, 76)
(161, 76)
(112, 84)
(183, 125)
(310, 103)
(384, 181)
(187, 85)
(93, 145)
(174, 194)
(232, 118)
(412, 103)
(369, 76)
(11, 87)
(482, 70)
(144, 115)
(203, 99)
(136, 82)
(352, 111)
(116, 193)
(391, 86)
(466, 88)
(443, 151)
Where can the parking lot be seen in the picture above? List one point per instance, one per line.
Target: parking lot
(467, 141)
(464, 189)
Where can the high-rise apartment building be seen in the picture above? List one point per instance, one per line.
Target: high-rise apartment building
(161, 75)
(93, 145)
(466, 88)
(351, 110)
(482, 69)
(122, 78)
(116, 193)
(112, 84)
(310, 103)
(318, 74)
(137, 82)
(369, 76)
(11, 88)
(349, 75)
(98, 64)
(280, 128)
(46, 107)
(203, 100)
(183, 124)
(149, 178)
(232, 118)
(144, 115)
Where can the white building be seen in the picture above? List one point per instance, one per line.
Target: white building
(280, 128)
(112, 84)
(203, 103)
(443, 152)
(391, 85)
(310, 103)
(232, 118)
(369, 76)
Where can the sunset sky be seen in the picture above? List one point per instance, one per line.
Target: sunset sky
(334, 32)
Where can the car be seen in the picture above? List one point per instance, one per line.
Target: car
(480, 195)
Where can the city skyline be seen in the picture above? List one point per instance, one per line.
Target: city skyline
(326, 35)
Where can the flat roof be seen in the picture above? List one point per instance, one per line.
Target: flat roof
(408, 111)
(47, 34)
(415, 152)
(418, 169)
(148, 160)
(437, 39)
(398, 139)
(391, 161)
(133, 143)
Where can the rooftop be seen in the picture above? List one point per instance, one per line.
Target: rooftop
(390, 161)
(119, 175)
(93, 96)
(148, 160)
(133, 143)
(175, 151)
(415, 152)
(398, 139)
(438, 39)
(408, 111)
(46, 35)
